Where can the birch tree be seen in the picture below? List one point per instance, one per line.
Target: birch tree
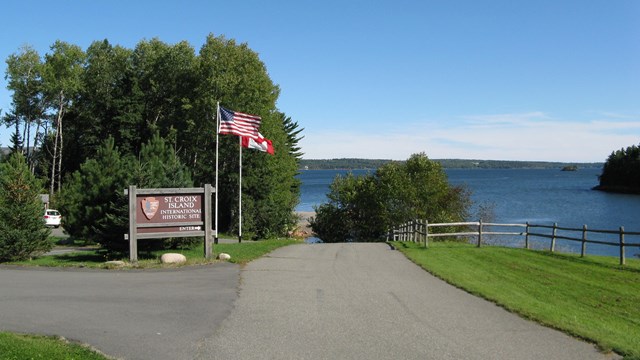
(27, 107)
(62, 81)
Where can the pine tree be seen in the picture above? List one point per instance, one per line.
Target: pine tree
(93, 197)
(22, 230)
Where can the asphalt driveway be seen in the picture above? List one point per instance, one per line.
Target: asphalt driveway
(151, 314)
(307, 301)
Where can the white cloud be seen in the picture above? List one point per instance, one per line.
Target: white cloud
(525, 136)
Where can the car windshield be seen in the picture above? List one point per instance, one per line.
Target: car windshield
(53, 213)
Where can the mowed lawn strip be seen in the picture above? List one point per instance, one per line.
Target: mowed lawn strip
(18, 347)
(592, 298)
(240, 253)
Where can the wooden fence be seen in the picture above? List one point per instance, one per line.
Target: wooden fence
(418, 231)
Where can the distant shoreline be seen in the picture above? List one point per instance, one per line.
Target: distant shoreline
(372, 164)
(617, 189)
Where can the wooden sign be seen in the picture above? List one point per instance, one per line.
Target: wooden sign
(165, 213)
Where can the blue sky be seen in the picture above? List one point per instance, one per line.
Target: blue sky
(536, 80)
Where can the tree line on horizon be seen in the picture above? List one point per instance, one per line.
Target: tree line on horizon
(357, 163)
(89, 123)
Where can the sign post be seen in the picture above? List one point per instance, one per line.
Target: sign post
(167, 213)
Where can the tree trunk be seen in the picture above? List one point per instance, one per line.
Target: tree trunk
(57, 154)
(60, 153)
(53, 160)
(32, 164)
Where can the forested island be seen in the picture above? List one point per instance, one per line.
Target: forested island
(355, 164)
(621, 171)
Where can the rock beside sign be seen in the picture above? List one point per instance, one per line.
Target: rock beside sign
(114, 264)
(173, 258)
(224, 256)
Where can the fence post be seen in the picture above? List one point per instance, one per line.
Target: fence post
(479, 232)
(412, 229)
(553, 238)
(415, 231)
(622, 260)
(526, 237)
(426, 233)
(584, 241)
(405, 231)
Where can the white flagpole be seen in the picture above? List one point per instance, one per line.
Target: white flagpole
(240, 195)
(215, 233)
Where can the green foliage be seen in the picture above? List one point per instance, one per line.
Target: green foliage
(233, 75)
(171, 90)
(93, 199)
(24, 75)
(364, 208)
(293, 136)
(160, 167)
(621, 172)
(22, 230)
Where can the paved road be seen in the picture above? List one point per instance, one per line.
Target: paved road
(163, 314)
(320, 301)
(365, 301)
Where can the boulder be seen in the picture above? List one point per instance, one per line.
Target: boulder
(173, 258)
(224, 256)
(114, 263)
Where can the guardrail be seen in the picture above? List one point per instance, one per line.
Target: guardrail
(418, 231)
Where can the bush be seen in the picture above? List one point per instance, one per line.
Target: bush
(22, 230)
(93, 199)
(364, 208)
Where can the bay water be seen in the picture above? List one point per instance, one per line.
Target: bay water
(537, 196)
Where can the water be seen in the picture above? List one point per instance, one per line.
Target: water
(539, 196)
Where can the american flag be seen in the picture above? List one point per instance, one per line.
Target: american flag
(237, 123)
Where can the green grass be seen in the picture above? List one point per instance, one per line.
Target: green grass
(19, 347)
(240, 253)
(592, 298)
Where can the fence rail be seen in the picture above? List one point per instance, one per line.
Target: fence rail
(418, 231)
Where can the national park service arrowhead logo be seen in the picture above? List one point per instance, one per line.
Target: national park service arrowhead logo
(149, 207)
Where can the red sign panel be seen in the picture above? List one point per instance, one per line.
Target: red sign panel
(160, 209)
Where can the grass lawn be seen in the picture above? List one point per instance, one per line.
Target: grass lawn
(18, 347)
(240, 253)
(592, 298)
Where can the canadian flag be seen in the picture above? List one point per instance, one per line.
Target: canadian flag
(260, 143)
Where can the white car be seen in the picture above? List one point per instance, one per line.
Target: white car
(52, 218)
